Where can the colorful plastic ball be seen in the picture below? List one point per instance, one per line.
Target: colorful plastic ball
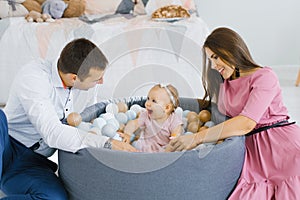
(136, 108)
(192, 116)
(109, 130)
(179, 111)
(99, 122)
(185, 122)
(74, 119)
(112, 108)
(209, 124)
(193, 127)
(107, 116)
(95, 130)
(122, 106)
(131, 114)
(114, 122)
(121, 117)
(204, 116)
(117, 137)
(86, 126)
(185, 112)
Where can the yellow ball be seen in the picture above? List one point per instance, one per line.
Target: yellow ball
(191, 116)
(193, 127)
(122, 107)
(204, 116)
(74, 119)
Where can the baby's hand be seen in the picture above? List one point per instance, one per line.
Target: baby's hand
(126, 137)
(173, 135)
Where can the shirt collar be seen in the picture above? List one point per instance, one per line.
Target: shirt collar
(57, 82)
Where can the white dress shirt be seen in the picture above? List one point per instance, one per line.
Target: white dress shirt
(36, 104)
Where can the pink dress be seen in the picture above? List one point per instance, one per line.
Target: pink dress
(154, 137)
(272, 161)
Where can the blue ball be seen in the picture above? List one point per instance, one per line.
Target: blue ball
(109, 130)
(130, 114)
(122, 118)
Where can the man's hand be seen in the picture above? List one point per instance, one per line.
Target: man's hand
(122, 146)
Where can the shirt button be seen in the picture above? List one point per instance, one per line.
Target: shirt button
(67, 109)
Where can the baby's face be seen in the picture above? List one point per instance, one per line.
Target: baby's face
(157, 103)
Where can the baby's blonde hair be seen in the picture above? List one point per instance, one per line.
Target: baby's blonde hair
(172, 92)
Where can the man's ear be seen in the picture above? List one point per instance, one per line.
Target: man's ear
(72, 78)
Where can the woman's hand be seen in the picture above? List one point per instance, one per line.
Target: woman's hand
(122, 146)
(184, 142)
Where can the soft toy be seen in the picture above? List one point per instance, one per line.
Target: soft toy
(75, 8)
(33, 5)
(12, 8)
(55, 8)
(34, 16)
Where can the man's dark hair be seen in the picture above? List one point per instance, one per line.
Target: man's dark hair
(79, 56)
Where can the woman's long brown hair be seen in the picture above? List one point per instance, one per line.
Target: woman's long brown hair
(232, 50)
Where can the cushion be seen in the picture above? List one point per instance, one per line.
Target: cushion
(207, 172)
(95, 7)
(14, 10)
(110, 6)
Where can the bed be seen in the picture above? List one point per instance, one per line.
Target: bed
(140, 51)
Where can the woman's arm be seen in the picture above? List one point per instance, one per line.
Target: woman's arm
(236, 126)
(177, 132)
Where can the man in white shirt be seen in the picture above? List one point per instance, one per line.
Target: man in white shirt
(41, 97)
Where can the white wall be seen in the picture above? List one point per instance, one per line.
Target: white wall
(271, 28)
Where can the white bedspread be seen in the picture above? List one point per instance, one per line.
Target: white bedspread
(141, 51)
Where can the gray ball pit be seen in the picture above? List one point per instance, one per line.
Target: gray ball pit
(210, 172)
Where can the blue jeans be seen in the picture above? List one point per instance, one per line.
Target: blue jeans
(26, 174)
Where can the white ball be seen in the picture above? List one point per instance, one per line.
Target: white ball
(188, 133)
(109, 130)
(136, 108)
(131, 114)
(99, 122)
(179, 111)
(185, 122)
(117, 137)
(107, 116)
(209, 124)
(95, 130)
(114, 122)
(122, 118)
(84, 126)
(112, 108)
(185, 112)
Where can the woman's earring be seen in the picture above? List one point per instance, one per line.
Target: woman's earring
(237, 72)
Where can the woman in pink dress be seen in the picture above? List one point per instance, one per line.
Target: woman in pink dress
(251, 96)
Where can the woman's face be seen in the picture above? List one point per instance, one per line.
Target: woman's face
(216, 63)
